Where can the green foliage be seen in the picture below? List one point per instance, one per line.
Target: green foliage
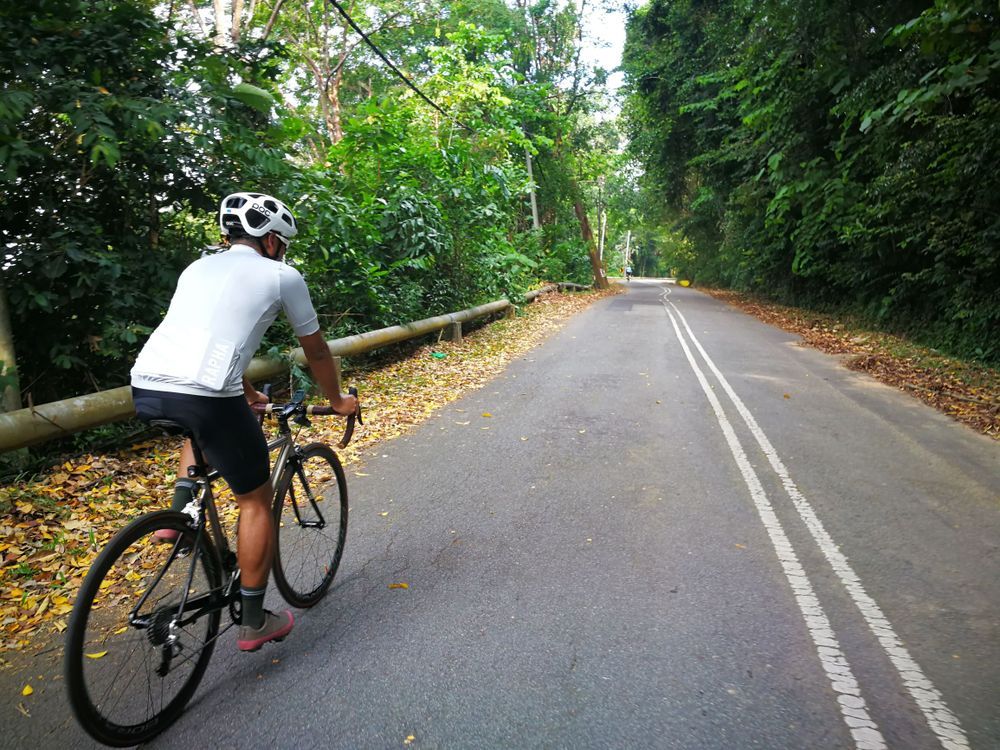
(830, 155)
(121, 127)
(111, 134)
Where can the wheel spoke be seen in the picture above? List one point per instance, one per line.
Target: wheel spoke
(113, 666)
(311, 516)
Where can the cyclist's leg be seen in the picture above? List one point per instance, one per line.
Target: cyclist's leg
(256, 536)
(233, 443)
(184, 487)
(254, 552)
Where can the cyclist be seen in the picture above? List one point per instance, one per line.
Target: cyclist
(628, 273)
(191, 371)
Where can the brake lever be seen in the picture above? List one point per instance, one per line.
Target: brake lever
(349, 429)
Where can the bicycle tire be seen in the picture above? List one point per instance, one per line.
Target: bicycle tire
(310, 520)
(106, 655)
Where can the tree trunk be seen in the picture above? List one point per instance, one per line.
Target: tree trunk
(11, 393)
(600, 279)
(220, 23)
(234, 29)
(333, 87)
(333, 94)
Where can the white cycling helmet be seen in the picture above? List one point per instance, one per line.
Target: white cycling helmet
(256, 214)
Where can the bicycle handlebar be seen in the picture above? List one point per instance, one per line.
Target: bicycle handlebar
(301, 412)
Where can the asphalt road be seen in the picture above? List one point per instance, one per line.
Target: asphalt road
(678, 529)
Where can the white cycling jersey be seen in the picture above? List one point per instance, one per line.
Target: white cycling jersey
(218, 315)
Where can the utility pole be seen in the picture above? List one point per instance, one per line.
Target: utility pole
(535, 223)
(628, 243)
(601, 217)
(604, 225)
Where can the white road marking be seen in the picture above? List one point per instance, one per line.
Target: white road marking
(941, 720)
(852, 706)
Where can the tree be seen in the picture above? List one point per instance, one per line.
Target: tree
(823, 152)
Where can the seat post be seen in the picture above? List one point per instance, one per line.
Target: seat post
(200, 467)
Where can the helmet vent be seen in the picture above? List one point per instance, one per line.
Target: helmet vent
(255, 218)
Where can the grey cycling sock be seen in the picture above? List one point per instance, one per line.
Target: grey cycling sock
(253, 607)
(183, 494)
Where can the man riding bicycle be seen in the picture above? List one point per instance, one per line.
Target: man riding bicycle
(191, 371)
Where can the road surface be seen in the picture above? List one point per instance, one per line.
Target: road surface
(677, 529)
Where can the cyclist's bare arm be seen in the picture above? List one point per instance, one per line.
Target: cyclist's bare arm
(321, 364)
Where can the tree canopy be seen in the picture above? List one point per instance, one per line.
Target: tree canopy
(834, 154)
(122, 125)
(829, 153)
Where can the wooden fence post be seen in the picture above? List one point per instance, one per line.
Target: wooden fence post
(453, 332)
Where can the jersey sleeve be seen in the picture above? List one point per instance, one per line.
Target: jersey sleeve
(296, 303)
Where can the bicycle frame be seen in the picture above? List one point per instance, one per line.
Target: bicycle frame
(201, 509)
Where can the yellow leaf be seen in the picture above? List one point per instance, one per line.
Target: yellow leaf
(487, 414)
(399, 585)
(384, 513)
(28, 690)
(98, 655)
(121, 630)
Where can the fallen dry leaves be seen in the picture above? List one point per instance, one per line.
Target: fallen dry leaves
(965, 392)
(61, 519)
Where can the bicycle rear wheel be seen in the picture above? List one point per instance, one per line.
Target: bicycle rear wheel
(130, 664)
(310, 518)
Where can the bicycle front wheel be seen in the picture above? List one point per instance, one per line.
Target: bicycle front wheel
(310, 518)
(133, 656)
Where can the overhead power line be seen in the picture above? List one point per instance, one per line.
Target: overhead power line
(403, 77)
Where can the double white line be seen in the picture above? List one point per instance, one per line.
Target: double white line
(853, 709)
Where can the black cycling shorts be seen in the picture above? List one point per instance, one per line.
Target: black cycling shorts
(226, 430)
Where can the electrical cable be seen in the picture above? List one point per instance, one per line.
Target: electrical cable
(387, 61)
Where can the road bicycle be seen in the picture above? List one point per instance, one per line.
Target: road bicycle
(147, 616)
